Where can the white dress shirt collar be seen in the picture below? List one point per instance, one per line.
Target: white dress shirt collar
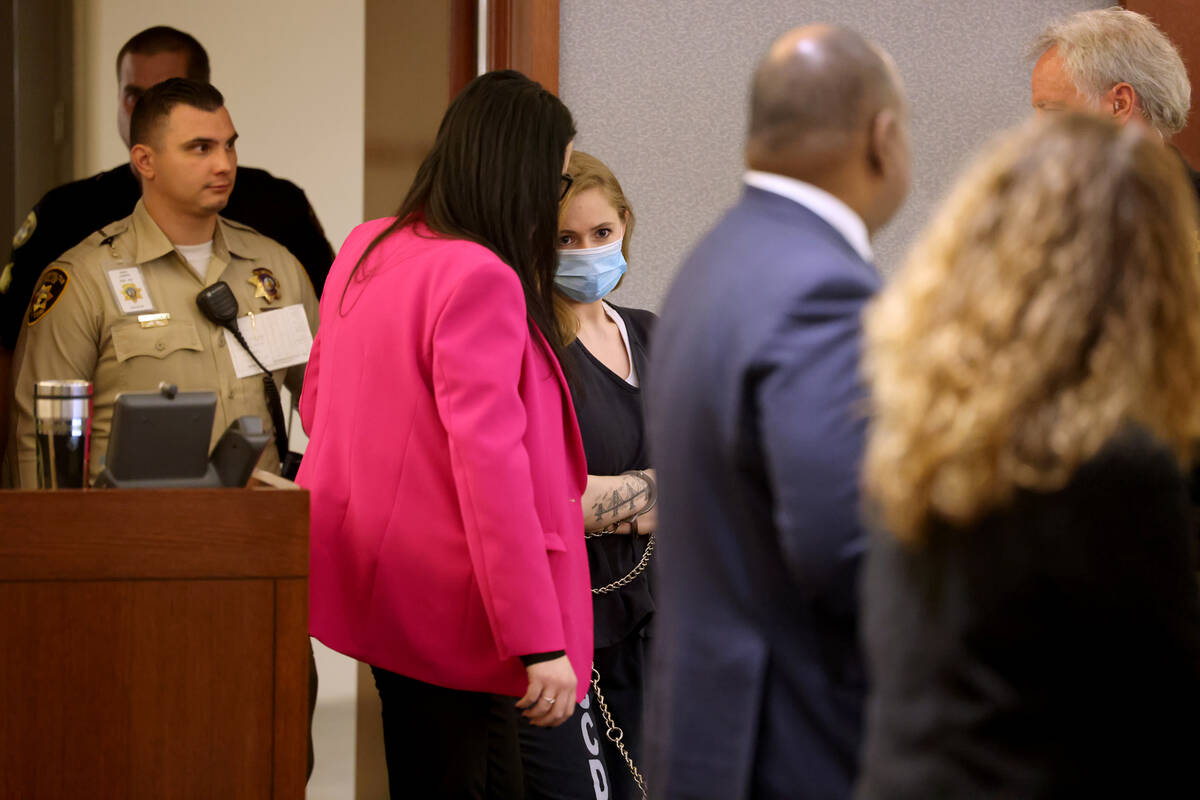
(840, 216)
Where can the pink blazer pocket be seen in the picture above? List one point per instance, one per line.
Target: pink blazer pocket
(554, 542)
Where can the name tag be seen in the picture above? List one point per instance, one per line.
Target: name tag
(280, 338)
(129, 287)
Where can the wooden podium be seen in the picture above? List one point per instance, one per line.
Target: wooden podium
(153, 644)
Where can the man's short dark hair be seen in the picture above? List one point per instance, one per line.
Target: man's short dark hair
(164, 39)
(158, 101)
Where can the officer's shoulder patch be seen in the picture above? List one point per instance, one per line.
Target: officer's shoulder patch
(53, 284)
(26, 230)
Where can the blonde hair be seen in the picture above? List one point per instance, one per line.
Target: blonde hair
(1107, 46)
(589, 172)
(1053, 299)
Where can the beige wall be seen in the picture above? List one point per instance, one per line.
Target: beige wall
(291, 72)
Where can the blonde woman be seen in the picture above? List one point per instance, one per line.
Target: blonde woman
(1031, 615)
(606, 362)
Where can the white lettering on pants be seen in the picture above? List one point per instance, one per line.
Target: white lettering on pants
(599, 779)
(589, 734)
(588, 728)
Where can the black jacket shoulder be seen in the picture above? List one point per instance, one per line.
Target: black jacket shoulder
(278, 208)
(1012, 656)
(279, 191)
(116, 183)
(61, 219)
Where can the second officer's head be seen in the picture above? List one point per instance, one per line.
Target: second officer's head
(183, 147)
(150, 57)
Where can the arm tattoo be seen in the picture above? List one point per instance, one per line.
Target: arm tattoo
(622, 502)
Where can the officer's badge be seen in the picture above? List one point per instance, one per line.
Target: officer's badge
(266, 285)
(25, 231)
(6, 278)
(54, 282)
(129, 290)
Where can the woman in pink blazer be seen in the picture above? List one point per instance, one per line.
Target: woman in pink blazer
(445, 463)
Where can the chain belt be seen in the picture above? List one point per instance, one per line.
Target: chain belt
(632, 575)
(615, 734)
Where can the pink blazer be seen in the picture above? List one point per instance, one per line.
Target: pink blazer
(446, 471)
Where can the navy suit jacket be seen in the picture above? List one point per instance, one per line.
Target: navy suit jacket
(757, 429)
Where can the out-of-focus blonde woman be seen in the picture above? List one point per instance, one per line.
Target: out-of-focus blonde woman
(1031, 610)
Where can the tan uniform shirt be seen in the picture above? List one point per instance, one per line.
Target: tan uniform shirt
(77, 327)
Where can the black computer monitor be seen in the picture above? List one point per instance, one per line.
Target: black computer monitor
(160, 440)
(160, 437)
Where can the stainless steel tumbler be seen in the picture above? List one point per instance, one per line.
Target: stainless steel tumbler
(62, 412)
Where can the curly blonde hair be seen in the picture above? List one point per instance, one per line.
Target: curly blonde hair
(1054, 298)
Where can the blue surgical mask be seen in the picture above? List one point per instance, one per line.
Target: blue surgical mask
(585, 276)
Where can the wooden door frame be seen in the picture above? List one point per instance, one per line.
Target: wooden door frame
(521, 35)
(8, 175)
(1181, 27)
(463, 38)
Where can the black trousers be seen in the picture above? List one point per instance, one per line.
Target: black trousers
(312, 704)
(577, 761)
(567, 762)
(446, 743)
(623, 676)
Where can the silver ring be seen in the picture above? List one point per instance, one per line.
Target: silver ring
(550, 700)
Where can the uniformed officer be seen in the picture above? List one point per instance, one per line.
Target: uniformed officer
(120, 308)
(66, 215)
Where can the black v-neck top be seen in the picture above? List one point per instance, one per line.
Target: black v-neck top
(612, 425)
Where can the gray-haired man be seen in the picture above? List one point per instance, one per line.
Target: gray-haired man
(1115, 62)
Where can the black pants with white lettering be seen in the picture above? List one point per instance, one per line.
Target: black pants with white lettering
(577, 761)
(623, 677)
(445, 743)
(567, 762)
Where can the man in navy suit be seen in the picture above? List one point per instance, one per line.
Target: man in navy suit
(757, 426)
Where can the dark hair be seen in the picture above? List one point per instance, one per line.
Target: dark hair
(156, 104)
(493, 178)
(164, 39)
